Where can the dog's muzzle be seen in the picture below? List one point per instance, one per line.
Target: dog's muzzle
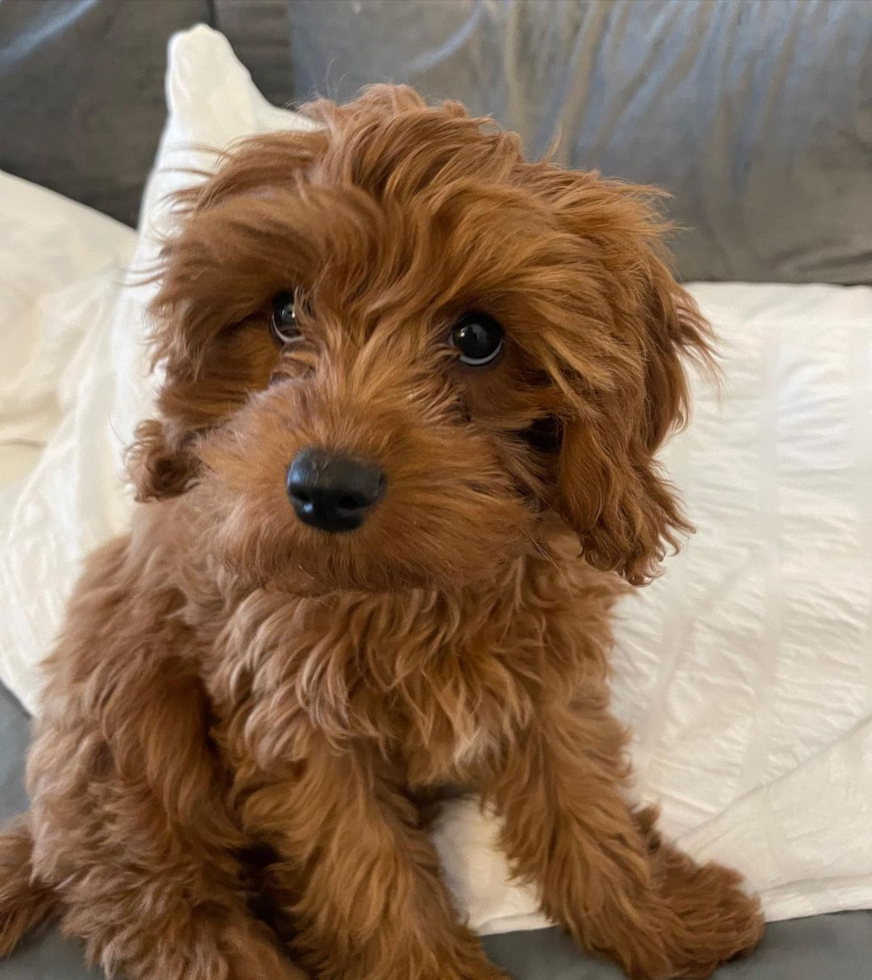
(333, 492)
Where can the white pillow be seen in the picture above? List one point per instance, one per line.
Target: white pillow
(61, 269)
(745, 671)
(54, 254)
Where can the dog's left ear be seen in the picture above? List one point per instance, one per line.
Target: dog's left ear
(158, 463)
(201, 381)
(612, 492)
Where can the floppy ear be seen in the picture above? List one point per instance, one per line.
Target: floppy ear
(200, 382)
(158, 465)
(611, 489)
(161, 462)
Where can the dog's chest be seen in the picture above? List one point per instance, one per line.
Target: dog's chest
(439, 684)
(445, 719)
(448, 739)
(436, 688)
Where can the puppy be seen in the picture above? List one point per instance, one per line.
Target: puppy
(402, 466)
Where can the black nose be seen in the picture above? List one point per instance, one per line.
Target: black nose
(334, 493)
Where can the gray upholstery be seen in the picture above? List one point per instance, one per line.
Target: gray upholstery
(259, 31)
(82, 86)
(756, 115)
(823, 948)
(82, 95)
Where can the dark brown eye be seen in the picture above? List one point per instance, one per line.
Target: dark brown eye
(478, 338)
(283, 322)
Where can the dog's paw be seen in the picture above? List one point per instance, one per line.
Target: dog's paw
(254, 955)
(474, 967)
(710, 918)
(713, 919)
(462, 971)
(466, 962)
(478, 971)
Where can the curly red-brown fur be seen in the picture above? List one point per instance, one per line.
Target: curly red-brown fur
(244, 714)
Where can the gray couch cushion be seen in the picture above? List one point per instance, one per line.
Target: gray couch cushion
(756, 115)
(82, 104)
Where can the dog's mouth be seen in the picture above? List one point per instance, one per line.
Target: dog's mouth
(324, 582)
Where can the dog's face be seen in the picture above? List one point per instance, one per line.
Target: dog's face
(391, 346)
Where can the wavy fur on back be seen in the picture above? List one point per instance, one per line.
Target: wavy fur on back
(246, 718)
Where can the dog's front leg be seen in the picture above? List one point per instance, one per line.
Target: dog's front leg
(363, 879)
(601, 870)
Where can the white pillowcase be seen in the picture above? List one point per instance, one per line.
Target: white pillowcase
(61, 269)
(55, 256)
(746, 671)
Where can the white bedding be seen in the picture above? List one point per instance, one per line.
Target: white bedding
(746, 671)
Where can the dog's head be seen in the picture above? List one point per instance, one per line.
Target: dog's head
(391, 346)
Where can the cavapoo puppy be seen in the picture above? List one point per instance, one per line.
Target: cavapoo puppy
(401, 467)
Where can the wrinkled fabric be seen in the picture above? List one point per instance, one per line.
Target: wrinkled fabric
(745, 671)
(756, 115)
(61, 271)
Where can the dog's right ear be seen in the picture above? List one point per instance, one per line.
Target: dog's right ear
(201, 384)
(158, 463)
